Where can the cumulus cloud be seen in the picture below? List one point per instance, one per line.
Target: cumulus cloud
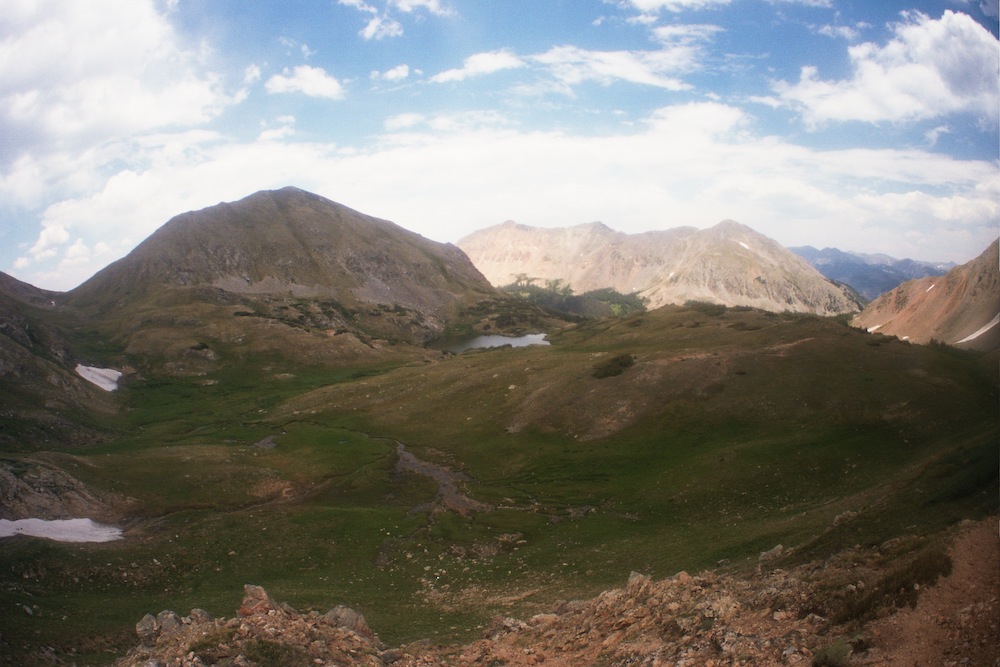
(931, 68)
(70, 75)
(688, 164)
(308, 80)
(394, 75)
(479, 64)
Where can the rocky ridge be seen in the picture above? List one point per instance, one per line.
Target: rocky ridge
(960, 308)
(777, 616)
(728, 264)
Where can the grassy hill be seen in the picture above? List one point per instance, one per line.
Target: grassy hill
(539, 475)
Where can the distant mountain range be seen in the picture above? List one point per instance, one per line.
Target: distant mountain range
(870, 275)
(728, 264)
(960, 308)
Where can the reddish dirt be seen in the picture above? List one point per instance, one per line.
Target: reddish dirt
(956, 621)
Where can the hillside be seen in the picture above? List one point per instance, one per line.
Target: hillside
(44, 402)
(870, 275)
(279, 424)
(768, 619)
(729, 264)
(285, 272)
(961, 308)
(433, 496)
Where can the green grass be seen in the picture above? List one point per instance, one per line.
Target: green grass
(739, 431)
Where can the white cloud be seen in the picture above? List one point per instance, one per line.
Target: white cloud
(840, 32)
(380, 27)
(432, 6)
(690, 164)
(571, 65)
(403, 121)
(383, 24)
(311, 81)
(479, 64)
(396, 74)
(68, 74)
(568, 65)
(251, 74)
(807, 3)
(675, 6)
(931, 68)
(933, 135)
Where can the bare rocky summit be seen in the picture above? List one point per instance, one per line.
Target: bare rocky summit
(291, 242)
(960, 308)
(728, 264)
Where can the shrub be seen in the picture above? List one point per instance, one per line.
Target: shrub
(899, 587)
(616, 365)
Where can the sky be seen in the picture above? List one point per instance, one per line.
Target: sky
(867, 126)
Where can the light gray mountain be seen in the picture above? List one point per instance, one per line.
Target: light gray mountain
(729, 264)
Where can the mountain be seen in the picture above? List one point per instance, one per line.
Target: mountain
(284, 271)
(728, 264)
(961, 308)
(870, 275)
(44, 402)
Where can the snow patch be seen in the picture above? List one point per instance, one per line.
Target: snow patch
(980, 332)
(61, 530)
(744, 245)
(105, 378)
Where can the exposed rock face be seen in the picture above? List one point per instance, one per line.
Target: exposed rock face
(31, 489)
(729, 264)
(961, 308)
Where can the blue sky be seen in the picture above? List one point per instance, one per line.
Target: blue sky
(869, 126)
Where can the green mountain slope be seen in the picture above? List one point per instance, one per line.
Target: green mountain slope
(432, 496)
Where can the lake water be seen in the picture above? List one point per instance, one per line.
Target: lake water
(463, 344)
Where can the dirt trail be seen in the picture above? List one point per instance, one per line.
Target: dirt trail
(955, 622)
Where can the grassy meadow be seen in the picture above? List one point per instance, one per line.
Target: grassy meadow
(732, 431)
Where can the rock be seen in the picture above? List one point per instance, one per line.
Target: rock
(266, 443)
(168, 621)
(345, 617)
(148, 630)
(391, 656)
(257, 601)
(198, 616)
(771, 554)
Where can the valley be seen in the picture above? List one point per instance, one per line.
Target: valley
(289, 424)
(732, 432)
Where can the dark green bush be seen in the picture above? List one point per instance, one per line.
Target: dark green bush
(616, 365)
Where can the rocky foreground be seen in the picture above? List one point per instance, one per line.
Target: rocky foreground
(837, 612)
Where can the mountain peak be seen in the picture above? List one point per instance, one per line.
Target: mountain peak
(729, 263)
